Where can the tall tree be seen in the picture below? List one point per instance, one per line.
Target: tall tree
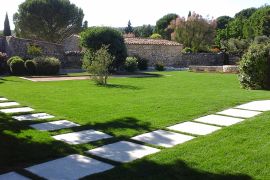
(144, 31)
(49, 20)
(223, 21)
(85, 25)
(163, 23)
(7, 31)
(189, 13)
(129, 28)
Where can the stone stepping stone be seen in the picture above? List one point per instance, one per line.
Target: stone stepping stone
(3, 99)
(239, 113)
(219, 120)
(55, 125)
(70, 167)
(82, 137)
(7, 104)
(17, 110)
(29, 117)
(123, 151)
(12, 176)
(256, 106)
(163, 138)
(194, 128)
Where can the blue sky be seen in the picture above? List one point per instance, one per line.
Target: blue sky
(117, 12)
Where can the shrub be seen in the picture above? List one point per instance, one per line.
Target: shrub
(142, 64)
(187, 50)
(3, 63)
(156, 36)
(17, 67)
(34, 50)
(159, 67)
(131, 64)
(97, 64)
(255, 67)
(47, 65)
(12, 58)
(30, 67)
(95, 37)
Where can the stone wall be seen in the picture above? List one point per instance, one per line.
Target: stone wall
(72, 43)
(166, 54)
(17, 46)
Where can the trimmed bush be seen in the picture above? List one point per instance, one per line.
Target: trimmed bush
(95, 37)
(3, 63)
(142, 64)
(17, 67)
(34, 50)
(255, 67)
(47, 65)
(30, 67)
(156, 36)
(187, 50)
(131, 64)
(12, 58)
(159, 67)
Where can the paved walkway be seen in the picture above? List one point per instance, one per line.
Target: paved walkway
(76, 166)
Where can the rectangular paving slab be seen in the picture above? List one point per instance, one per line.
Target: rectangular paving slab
(3, 99)
(12, 176)
(123, 151)
(17, 110)
(82, 137)
(239, 113)
(263, 105)
(29, 117)
(7, 104)
(69, 168)
(219, 120)
(55, 125)
(194, 128)
(163, 138)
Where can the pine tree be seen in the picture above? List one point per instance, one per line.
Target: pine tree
(129, 28)
(7, 31)
(189, 13)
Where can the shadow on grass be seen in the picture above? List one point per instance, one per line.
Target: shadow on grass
(149, 170)
(120, 86)
(21, 146)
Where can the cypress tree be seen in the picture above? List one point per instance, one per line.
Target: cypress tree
(7, 31)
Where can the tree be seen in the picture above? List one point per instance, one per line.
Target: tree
(245, 13)
(95, 37)
(98, 63)
(223, 21)
(144, 31)
(85, 25)
(7, 31)
(129, 28)
(189, 13)
(163, 23)
(49, 20)
(194, 32)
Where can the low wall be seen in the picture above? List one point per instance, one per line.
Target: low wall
(73, 60)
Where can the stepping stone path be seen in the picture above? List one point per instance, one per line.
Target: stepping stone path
(3, 99)
(123, 151)
(239, 113)
(17, 110)
(71, 167)
(7, 104)
(163, 138)
(55, 125)
(30, 117)
(12, 176)
(219, 120)
(82, 137)
(256, 106)
(77, 166)
(194, 128)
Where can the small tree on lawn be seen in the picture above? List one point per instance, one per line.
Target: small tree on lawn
(98, 64)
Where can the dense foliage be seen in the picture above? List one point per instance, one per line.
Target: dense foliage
(98, 64)
(195, 32)
(144, 31)
(159, 66)
(131, 64)
(7, 31)
(47, 65)
(50, 20)
(3, 63)
(17, 66)
(163, 23)
(129, 28)
(31, 67)
(156, 36)
(95, 37)
(255, 67)
(33, 50)
(142, 63)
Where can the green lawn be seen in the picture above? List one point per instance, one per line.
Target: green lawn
(131, 106)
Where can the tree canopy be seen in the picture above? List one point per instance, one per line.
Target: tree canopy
(144, 31)
(49, 20)
(163, 23)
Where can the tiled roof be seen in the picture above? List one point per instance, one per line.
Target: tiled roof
(147, 41)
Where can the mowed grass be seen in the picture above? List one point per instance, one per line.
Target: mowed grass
(131, 106)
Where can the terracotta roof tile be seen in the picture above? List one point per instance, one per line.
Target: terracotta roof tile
(147, 41)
